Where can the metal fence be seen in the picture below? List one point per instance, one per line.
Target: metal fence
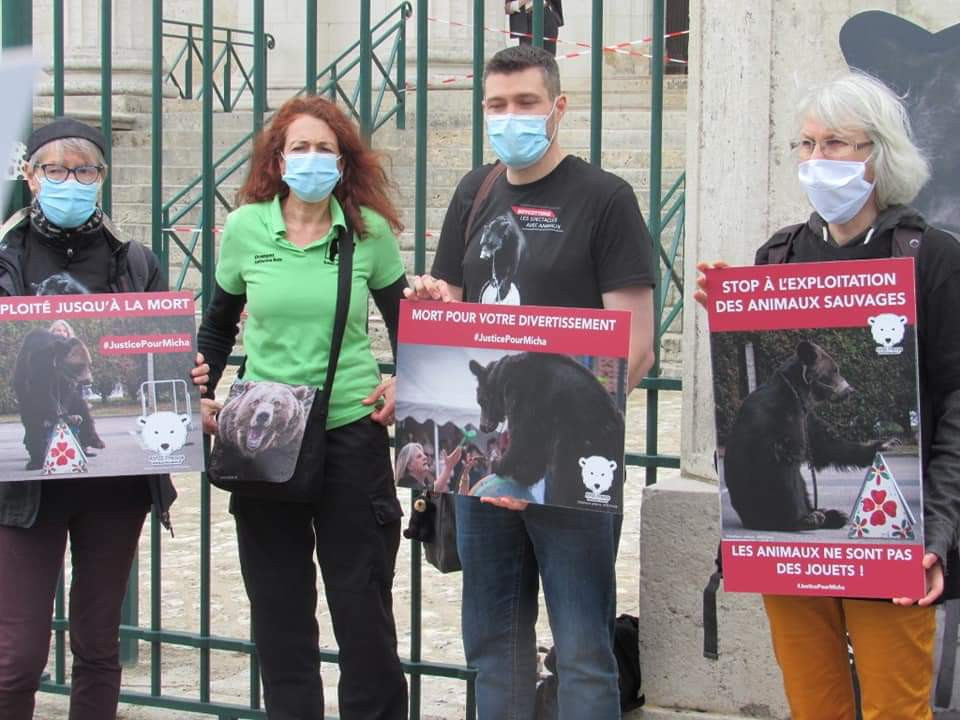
(381, 49)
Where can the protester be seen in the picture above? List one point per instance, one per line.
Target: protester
(64, 243)
(520, 14)
(861, 169)
(310, 176)
(414, 468)
(595, 252)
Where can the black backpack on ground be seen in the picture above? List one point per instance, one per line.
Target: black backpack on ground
(626, 648)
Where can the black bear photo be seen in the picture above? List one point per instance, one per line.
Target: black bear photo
(502, 244)
(776, 432)
(560, 418)
(48, 380)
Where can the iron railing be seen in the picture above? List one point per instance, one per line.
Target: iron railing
(229, 64)
(176, 212)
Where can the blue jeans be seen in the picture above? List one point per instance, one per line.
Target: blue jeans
(504, 555)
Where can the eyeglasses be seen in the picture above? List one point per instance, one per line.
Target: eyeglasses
(56, 173)
(832, 148)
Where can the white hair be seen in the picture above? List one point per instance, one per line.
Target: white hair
(405, 457)
(859, 101)
(57, 148)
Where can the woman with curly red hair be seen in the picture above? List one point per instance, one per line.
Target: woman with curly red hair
(312, 185)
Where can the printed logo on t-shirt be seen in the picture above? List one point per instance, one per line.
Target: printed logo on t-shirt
(503, 244)
(543, 219)
(266, 258)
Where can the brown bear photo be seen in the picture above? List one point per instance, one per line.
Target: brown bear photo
(48, 380)
(800, 416)
(262, 423)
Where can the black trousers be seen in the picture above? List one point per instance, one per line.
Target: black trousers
(353, 526)
(522, 22)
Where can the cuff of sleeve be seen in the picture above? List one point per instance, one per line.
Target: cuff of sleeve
(627, 282)
(937, 541)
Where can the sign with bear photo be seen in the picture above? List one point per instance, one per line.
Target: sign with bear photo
(818, 428)
(98, 386)
(513, 401)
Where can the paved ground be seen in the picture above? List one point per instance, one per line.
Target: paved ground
(442, 699)
(837, 490)
(116, 433)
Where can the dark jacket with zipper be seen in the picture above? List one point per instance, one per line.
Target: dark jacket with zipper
(938, 345)
(131, 268)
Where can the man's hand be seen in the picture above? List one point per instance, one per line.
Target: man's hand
(201, 374)
(506, 502)
(934, 568)
(700, 295)
(384, 398)
(208, 415)
(427, 287)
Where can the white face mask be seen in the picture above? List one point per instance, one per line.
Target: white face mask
(836, 188)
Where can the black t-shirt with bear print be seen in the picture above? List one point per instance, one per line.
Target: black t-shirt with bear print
(562, 240)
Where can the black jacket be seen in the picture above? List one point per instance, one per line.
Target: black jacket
(132, 268)
(938, 335)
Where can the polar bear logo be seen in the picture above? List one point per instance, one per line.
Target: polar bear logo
(597, 475)
(888, 330)
(164, 432)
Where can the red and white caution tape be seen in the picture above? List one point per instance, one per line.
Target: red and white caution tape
(619, 48)
(190, 229)
(558, 40)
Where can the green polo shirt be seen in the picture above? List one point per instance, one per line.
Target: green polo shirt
(291, 296)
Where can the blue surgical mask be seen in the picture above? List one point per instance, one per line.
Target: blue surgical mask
(68, 204)
(519, 140)
(312, 176)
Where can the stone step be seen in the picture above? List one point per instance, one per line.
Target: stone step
(575, 118)
(457, 96)
(175, 138)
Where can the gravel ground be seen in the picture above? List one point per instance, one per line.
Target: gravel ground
(230, 614)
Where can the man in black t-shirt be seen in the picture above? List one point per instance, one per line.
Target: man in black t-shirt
(553, 230)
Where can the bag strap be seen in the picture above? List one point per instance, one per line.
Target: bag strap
(486, 187)
(13, 221)
(780, 252)
(711, 649)
(343, 248)
(907, 241)
(948, 654)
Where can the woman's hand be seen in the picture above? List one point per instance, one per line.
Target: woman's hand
(700, 294)
(506, 502)
(427, 287)
(209, 409)
(442, 483)
(934, 568)
(201, 374)
(384, 398)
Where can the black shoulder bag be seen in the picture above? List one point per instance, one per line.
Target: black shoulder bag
(271, 437)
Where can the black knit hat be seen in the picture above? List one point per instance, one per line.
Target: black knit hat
(64, 127)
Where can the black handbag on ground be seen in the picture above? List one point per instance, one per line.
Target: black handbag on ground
(272, 449)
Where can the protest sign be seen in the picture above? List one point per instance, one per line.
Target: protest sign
(818, 430)
(98, 385)
(524, 402)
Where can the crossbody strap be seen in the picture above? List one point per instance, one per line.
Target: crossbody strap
(344, 249)
(481, 197)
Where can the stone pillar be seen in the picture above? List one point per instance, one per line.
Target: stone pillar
(750, 61)
(131, 82)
